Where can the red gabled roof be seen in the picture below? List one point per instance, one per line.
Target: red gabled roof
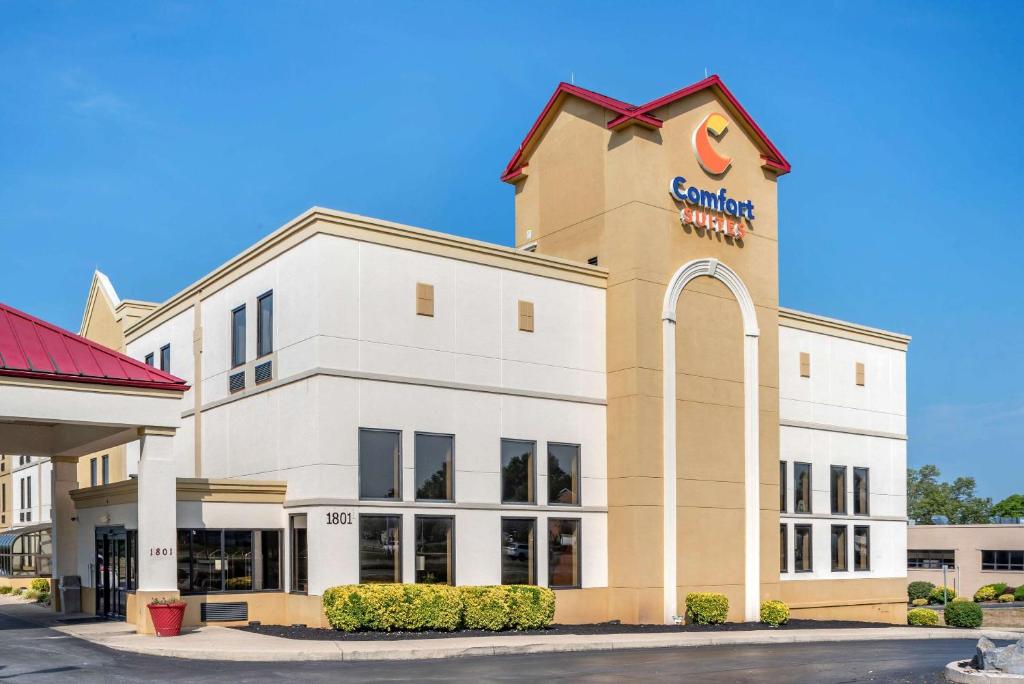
(641, 114)
(32, 348)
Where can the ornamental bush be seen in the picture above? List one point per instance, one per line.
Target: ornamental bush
(1019, 594)
(937, 593)
(485, 608)
(985, 593)
(5, 590)
(40, 585)
(1006, 598)
(529, 607)
(922, 617)
(706, 608)
(1000, 588)
(963, 614)
(774, 613)
(917, 603)
(919, 590)
(961, 599)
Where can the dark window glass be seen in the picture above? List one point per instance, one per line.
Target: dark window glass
(518, 551)
(92, 472)
(801, 487)
(269, 575)
(184, 561)
(860, 491)
(207, 561)
(106, 468)
(802, 551)
(149, 359)
(238, 336)
(380, 464)
(435, 550)
(838, 490)
(517, 471)
(434, 471)
(265, 324)
(564, 474)
(299, 554)
(927, 559)
(783, 549)
(563, 553)
(380, 548)
(1002, 560)
(238, 559)
(839, 548)
(782, 487)
(861, 547)
(165, 358)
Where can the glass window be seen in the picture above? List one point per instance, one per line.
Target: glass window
(299, 554)
(269, 555)
(860, 491)
(380, 464)
(105, 460)
(518, 551)
(517, 471)
(238, 557)
(435, 550)
(564, 474)
(238, 336)
(92, 472)
(802, 558)
(783, 549)
(839, 548)
(150, 359)
(782, 486)
(265, 324)
(1002, 560)
(165, 358)
(927, 559)
(563, 553)
(434, 471)
(838, 490)
(801, 487)
(861, 547)
(226, 560)
(380, 548)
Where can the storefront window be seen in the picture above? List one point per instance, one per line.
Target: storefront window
(380, 548)
(300, 554)
(238, 557)
(211, 561)
(435, 550)
(380, 464)
(518, 551)
(434, 470)
(517, 471)
(270, 554)
(563, 553)
(564, 474)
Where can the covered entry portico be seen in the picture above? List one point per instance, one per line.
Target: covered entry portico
(62, 397)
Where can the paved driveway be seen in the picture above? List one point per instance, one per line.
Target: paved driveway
(29, 653)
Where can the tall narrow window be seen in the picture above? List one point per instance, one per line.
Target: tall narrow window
(149, 359)
(238, 558)
(165, 358)
(564, 474)
(105, 468)
(801, 487)
(28, 492)
(238, 336)
(861, 548)
(838, 490)
(434, 467)
(380, 464)
(92, 472)
(783, 548)
(299, 554)
(518, 551)
(839, 548)
(517, 471)
(435, 549)
(265, 324)
(802, 549)
(563, 553)
(861, 492)
(782, 486)
(380, 548)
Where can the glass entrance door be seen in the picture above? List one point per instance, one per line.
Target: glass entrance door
(114, 570)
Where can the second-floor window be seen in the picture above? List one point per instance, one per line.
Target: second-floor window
(265, 324)
(238, 336)
(105, 461)
(150, 359)
(860, 491)
(92, 472)
(380, 464)
(563, 474)
(838, 490)
(801, 487)
(165, 358)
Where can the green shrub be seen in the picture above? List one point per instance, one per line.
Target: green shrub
(1019, 594)
(922, 617)
(961, 599)
(919, 590)
(31, 594)
(1000, 588)
(529, 607)
(985, 593)
(963, 614)
(5, 590)
(917, 603)
(1006, 598)
(706, 608)
(774, 613)
(937, 593)
(41, 585)
(485, 608)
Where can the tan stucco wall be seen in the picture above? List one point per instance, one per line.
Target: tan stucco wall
(870, 600)
(270, 608)
(967, 541)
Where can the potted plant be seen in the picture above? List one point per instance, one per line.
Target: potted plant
(167, 614)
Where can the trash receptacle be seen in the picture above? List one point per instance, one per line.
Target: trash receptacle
(71, 594)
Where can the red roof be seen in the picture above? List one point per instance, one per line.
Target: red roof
(32, 348)
(641, 114)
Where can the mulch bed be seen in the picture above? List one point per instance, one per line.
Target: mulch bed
(300, 632)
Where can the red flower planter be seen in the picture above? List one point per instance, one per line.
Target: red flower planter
(167, 618)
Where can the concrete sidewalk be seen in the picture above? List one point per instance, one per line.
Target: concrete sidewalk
(221, 643)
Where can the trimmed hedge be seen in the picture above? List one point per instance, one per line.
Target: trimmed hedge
(917, 603)
(1000, 588)
(961, 599)
(937, 593)
(40, 585)
(985, 593)
(1006, 598)
(706, 608)
(919, 590)
(774, 613)
(963, 614)
(922, 617)
(1019, 594)
(412, 607)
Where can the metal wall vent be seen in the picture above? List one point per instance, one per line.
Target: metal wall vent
(236, 381)
(224, 612)
(264, 372)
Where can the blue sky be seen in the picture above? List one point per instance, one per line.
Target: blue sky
(155, 141)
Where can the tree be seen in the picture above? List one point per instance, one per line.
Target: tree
(928, 497)
(1010, 507)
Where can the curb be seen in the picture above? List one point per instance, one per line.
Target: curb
(956, 675)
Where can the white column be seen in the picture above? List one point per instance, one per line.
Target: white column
(63, 479)
(157, 513)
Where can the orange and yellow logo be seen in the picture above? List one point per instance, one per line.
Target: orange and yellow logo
(709, 159)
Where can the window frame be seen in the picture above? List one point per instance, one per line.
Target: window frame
(401, 546)
(223, 558)
(833, 469)
(783, 548)
(578, 484)
(867, 491)
(150, 359)
(922, 563)
(810, 547)
(867, 546)
(996, 566)
(810, 487)
(292, 558)
(415, 467)
(501, 547)
(534, 478)
(833, 548)
(105, 469)
(453, 562)
(399, 480)
(165, 353)
(260, 352)
(579, 553)
(783, 487)
(235, 363)
(93, 472)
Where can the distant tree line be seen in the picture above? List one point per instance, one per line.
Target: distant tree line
(929, 498)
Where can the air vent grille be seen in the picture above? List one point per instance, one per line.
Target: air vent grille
(224, 612)
(236, 381)
(264, 372)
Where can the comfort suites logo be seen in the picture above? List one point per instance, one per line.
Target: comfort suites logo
(711, 211)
